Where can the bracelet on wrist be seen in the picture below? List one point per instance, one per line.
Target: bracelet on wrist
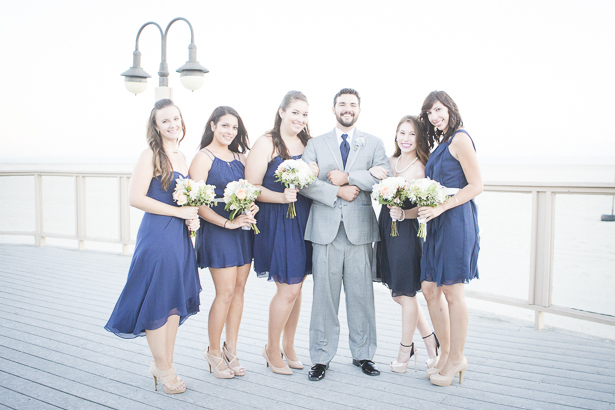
(224, 226)
(403, 215)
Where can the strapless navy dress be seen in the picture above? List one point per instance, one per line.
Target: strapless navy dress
(280, 252)
(218, 247)
(450, 251)
(163, 278)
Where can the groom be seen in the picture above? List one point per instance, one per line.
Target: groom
(342, 226)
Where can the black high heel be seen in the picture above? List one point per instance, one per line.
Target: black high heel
(431, 363)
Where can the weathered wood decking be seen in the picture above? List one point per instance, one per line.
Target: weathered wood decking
(54, 352)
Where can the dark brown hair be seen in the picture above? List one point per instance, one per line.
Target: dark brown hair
(241, 142)
(162, 165)
(454, 118)
(276, 137)
(422, 150)
(347, 91)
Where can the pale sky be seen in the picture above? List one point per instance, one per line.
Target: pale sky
(531, 78)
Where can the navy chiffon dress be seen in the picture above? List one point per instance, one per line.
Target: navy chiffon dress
(280, 252)
(398, 258)
(163, 279)
(218, 247)
(450, 251)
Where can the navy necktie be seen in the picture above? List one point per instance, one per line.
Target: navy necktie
(344, 148)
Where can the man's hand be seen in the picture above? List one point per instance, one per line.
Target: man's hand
(348, 192)
(337, 177)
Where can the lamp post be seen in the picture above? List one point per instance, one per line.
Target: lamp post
(191, 74)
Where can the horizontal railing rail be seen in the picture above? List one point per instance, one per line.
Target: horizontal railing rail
(540, 289)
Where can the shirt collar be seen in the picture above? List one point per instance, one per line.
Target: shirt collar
(339, 133)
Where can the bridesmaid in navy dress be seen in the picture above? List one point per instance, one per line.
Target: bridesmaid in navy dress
(222, 246)
(280, 252)
(450, 252)
(162, 289)
(398, 259)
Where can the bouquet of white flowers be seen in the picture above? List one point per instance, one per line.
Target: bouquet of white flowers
(192, 193)
(294, 173)
(426, 192)
(391, 191)
(239, 195)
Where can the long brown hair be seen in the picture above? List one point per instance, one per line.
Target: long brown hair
(162, 165)
(454, 118)
(422, 150)
(241, 142)
(276, 137)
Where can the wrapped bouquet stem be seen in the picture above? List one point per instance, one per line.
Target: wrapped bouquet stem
(391, 191)
(239, 196)
(426, 192)
(294, 173)
(192, 193)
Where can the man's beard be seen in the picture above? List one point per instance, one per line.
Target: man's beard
(343, 122)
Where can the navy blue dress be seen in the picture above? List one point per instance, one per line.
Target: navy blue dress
(163, 279)
(218, 247)
(450, 251)
(398, 259)
(280, 252)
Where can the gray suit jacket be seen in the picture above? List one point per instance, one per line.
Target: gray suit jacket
(360, 223)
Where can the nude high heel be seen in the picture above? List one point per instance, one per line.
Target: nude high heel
(221, 371)
(166, 376)
(293, 364)
(232, 361)
(401, 367)
(279, 370)
(444, 381)
(431, 363)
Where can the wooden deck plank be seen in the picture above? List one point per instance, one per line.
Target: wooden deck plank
(44, 387)
(10, 399)
(54, 303)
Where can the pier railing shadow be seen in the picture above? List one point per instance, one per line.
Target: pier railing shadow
(543, 203)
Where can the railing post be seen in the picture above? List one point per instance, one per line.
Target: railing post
(80, 206)
(541, 253)
(124, 214)
(39, 239)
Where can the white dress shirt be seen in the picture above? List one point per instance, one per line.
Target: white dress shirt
(339, 136)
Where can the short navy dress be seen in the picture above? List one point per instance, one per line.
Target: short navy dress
(163, 279)
(450, 251)
(398, 258)
(218, 247)
(280, 252)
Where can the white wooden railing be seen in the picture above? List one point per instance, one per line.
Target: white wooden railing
(80, 233)
(540, 289)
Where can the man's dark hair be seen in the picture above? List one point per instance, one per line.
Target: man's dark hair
(346, 91)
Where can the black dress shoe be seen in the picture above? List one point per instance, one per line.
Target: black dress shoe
(367, 366)
(317, 372)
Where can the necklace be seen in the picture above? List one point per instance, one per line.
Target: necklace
(409, 165)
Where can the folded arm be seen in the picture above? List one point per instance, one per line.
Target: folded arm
(362, 178)
(319, 190)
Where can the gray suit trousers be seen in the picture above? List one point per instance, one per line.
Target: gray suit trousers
(341, 261)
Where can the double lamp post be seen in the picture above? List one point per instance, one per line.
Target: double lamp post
(191, 74)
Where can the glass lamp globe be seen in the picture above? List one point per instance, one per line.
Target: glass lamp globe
(135, 85)
(192, 80)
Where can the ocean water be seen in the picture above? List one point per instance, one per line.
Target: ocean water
(584, 249)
